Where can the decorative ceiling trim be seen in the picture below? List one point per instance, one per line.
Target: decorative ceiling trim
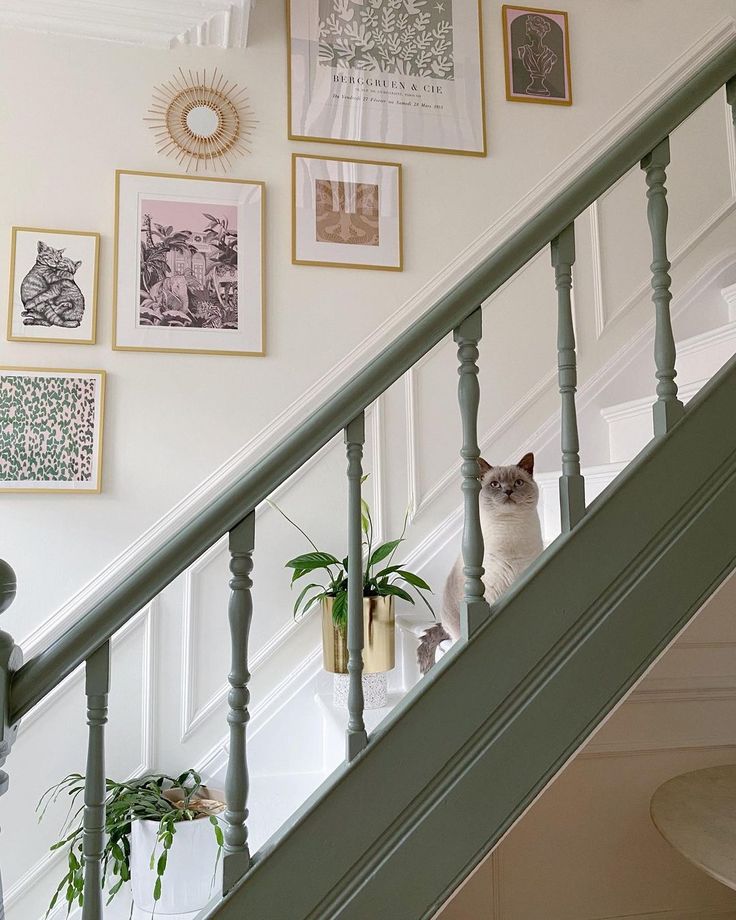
(147, 23)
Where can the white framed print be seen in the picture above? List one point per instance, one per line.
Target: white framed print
(53, 286)
(346, 213)
(51, 436)
(189, 264)
(387, 73)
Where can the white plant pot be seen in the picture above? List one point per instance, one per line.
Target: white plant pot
(189, 882)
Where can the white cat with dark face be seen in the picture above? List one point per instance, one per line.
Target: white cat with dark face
(512, 540)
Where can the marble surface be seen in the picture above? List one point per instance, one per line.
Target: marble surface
(696, 814)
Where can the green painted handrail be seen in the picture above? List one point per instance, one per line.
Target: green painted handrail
(43, 672)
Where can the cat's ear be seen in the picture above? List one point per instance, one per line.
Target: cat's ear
(527, 463)
(77, 264)
(484, 467)
(42, 247)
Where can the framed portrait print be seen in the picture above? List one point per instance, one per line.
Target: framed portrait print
(346, 213)
(51, 436)
(189, 264)
(537, 55)
(53, 286)
(387, 73)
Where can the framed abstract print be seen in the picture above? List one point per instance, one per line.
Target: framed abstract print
(346, 213)
(189, 264)
(387, 73)
(537, 55)
(51, 435)
(53, 286)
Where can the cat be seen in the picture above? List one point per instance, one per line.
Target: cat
(49, 293)
(512, 539)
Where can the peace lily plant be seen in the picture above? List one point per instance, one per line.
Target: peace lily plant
(381, 576)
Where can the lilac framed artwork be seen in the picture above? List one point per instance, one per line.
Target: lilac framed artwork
(346, 213)
(189, 264)
(537, 55)
(51, 435)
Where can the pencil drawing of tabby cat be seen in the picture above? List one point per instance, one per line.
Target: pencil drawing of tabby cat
(49, 293)
(512, 540)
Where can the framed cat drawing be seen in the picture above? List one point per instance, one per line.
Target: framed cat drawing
(53, 286)
(189, 264)
(51, 439)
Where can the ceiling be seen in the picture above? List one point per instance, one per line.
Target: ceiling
(149, 23)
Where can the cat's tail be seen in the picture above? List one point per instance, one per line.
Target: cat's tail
(428, 645)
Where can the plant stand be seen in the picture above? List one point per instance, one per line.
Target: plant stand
(375, 690)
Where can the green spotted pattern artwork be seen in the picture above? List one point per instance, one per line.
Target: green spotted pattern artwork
(47, 428)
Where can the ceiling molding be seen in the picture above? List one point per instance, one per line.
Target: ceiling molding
(145, 23)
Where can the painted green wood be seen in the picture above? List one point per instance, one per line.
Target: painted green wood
(96, 688)
(572, 484)
(667, 409)
(240, 613)
(42, 673)
(11, 659)
(731, 97)
(475, 609)
(532, 688)
(356, 736)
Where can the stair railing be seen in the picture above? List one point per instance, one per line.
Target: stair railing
(87, 642)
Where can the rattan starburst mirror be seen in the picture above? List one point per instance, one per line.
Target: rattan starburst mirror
(202, 122)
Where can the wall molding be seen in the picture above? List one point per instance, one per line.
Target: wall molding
(149, 23)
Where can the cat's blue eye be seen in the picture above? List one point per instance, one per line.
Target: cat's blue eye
(494, 483)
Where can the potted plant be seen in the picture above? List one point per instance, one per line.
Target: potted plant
(383, 580)
(156, 826)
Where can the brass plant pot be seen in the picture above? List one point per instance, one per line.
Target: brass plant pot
(379, 645)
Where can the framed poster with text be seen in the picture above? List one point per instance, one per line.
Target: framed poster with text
(387, 73)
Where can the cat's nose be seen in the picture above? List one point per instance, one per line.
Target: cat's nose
(508, 491)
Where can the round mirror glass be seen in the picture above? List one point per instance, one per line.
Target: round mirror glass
(202, 121)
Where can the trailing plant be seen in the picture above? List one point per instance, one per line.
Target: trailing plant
(155, 797)
(381, 576)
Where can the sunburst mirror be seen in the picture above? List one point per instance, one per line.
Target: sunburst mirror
(201, 122)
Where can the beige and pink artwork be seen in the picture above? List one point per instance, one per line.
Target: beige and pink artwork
(347, 212)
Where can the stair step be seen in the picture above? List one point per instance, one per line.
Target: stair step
(630, 423)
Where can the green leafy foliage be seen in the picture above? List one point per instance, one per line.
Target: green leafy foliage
(156, 797)
(390, 581)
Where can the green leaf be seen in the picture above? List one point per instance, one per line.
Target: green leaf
(414, 580)
(301, 596)
(309, 561)
(382, 551)
(161, 865)
(396, 591)
(340, 610)
(157, 889)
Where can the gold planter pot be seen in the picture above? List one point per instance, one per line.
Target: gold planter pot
(379, 646)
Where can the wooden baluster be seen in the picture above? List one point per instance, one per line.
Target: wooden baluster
(731, 97)
(236, 860)
(572, 484)
(97, 688)
(475, 609)
(11, 658)
(356, 738)
(668, 409)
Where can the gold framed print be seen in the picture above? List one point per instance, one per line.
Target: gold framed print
(387, 73)
(51, 436)
(53, 286)
(346, 213)
(537, 55)
(189, 264)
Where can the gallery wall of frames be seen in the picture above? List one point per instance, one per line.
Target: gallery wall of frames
(189, 241)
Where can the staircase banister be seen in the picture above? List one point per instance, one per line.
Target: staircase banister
(63, 655)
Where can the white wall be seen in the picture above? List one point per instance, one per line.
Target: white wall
(76, 111)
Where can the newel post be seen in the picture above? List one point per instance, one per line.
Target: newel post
(11, 659)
